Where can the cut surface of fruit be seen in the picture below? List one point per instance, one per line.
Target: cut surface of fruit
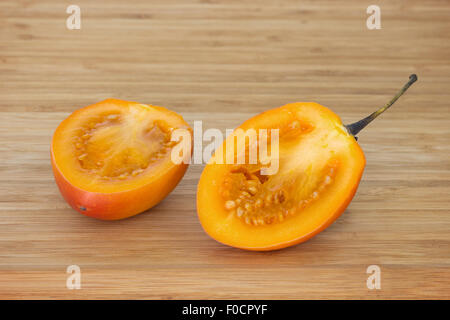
(319, 169)
(112, 159)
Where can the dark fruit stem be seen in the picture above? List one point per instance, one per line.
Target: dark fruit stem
(356, 127)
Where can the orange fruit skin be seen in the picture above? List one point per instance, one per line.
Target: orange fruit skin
(294, 241)
(120, 204)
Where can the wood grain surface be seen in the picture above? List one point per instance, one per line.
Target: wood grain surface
(222, 61)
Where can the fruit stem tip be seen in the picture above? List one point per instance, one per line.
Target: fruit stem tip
(356, 127)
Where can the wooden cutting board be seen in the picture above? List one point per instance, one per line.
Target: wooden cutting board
(221, 62)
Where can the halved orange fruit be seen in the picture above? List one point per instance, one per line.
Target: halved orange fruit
(244, 203)
(112, 160)
(319, 168)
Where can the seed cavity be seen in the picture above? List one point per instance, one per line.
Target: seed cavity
(251, 200)
(99, 156)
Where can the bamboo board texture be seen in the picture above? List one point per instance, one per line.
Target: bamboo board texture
(223, 61)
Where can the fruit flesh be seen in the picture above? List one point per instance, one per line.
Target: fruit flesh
(112, 159)
(320, 166)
